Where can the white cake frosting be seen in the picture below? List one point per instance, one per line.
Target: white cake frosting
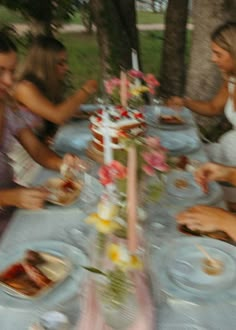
(120, 118)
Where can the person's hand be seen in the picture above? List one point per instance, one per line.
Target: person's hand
(211, 172)
(72, 165)
(204, 218)
(28, 198)
(90, 86)
(175, 102)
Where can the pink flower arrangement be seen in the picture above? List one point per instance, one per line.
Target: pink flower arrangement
(154, 157)
(138, 84)
(110, 173)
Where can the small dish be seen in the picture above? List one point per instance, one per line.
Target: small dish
(62, 192)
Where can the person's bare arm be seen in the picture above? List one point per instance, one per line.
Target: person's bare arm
(25, 198)
(207, 108)
(27, 94)
(39, 151)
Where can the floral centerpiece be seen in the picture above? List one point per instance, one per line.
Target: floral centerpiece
(114, 261)
(138, 84)
(152, 166)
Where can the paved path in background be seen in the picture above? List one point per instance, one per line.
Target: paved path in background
(22, 28)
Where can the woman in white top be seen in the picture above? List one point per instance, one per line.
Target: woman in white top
(223, 47)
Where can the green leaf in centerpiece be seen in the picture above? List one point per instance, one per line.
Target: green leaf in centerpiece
(94, 270)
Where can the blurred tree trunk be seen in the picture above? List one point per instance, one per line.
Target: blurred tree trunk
(117, 34)
(153, 6)
(204, 79)
(173, 54)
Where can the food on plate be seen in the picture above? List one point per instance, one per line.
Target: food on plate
(218, 234)
(68, 186)
(25, 276)
(34, 257)
(184, 163)
(212, 267)
(36, 275)
(63, 192)
(171, 120)
(181, 183)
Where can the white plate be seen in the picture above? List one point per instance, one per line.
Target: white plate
(181, 273)
(65, 290)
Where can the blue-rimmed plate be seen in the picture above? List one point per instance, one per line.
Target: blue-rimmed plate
(182, 184)
(182, 273)
(179, 143)
(167, 118)
(71, 262)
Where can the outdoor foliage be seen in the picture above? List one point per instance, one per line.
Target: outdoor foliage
(47, 12)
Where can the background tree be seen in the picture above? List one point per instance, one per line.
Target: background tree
(174, 48)
(117, 34)
(203, 78)
(43, 15)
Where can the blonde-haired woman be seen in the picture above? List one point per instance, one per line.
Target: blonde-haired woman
(223, 47)
(41, 86)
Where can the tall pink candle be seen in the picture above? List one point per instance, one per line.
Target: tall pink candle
(132, 198)
(123, 89)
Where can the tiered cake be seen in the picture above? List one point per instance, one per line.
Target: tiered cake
(122, 120)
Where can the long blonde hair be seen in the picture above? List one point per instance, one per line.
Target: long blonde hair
(40, 66)
(225, 37)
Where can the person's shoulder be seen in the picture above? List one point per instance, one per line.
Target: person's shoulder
(24, 88)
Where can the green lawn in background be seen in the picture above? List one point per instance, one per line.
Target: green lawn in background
(143, 17)
(83, 49)
(84, 55)
(147, 17)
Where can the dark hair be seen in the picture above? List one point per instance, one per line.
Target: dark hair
(6, 43)
(48, 43)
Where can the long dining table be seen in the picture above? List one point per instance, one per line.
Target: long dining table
(177, 306)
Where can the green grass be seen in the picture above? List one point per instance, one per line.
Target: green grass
(9, 16)
(147, 17)
(84, 54)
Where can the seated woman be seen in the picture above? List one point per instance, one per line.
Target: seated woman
(224, 56)
(41, 87)
(39, 93)
(207, 218)
(13, 126)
